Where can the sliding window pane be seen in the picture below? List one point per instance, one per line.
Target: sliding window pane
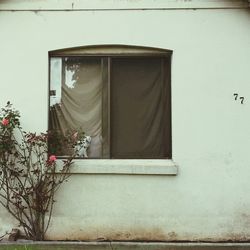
(140, 108)
(76, 100)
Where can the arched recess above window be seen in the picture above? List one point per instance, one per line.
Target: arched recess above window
(118, 95)
(114, 50)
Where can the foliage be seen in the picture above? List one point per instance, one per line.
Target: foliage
(62, 143)
(29, 175)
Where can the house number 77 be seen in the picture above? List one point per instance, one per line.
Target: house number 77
(236, 97)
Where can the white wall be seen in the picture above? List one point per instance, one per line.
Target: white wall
(209, 198)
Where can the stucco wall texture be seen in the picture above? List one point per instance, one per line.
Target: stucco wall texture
(209, 198)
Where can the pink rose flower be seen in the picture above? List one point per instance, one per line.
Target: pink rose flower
(75, 135)
(5, 121)
(52, 158)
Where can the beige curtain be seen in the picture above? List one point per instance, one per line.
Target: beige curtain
(81, 100)
(140, 108)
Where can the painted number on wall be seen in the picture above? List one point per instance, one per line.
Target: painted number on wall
(241, 98)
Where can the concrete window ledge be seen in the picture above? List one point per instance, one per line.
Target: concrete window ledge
(128, 167)
(121, 246)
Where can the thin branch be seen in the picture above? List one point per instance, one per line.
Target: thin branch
(15, 216)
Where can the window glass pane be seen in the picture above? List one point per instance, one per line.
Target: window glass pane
(140, 108)
(76, 101)
(123, 103)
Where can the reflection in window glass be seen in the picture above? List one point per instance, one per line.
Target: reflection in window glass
(76, 101)
(55, 81)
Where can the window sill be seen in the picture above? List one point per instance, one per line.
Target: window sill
(124, 167)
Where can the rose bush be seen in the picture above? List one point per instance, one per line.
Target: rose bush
(29, 176)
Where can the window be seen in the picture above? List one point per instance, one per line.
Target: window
(118, 95)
